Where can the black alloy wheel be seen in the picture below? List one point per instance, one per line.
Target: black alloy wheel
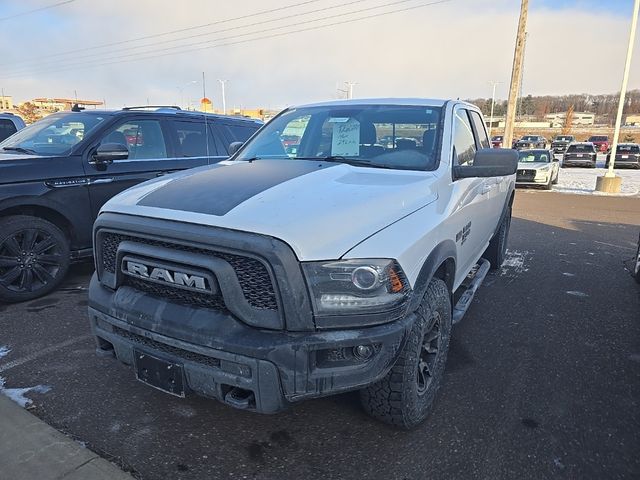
(428, 356)
(34, 257)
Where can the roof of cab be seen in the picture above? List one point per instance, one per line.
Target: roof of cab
(165, 111)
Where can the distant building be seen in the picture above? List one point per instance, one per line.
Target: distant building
(499, 122)
(632, 120)
(57, 104)
(6, 102)
(557, 120)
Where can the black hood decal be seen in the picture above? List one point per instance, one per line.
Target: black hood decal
(222, 188)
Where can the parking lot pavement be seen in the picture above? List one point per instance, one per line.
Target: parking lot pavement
(543, 378)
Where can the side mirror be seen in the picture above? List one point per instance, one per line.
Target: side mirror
(234, 147)
(108, 152)
(489, 162)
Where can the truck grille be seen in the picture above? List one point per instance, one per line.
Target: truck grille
(252, 274)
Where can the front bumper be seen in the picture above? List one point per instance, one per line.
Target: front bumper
(221, 355)
(580, 162)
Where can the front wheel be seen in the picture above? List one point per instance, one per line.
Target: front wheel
(34, 257)
(405, 396)
(497, 249)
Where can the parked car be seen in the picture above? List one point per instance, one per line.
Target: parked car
(627, 155)
(279, 279)
(496, 141)
(55, 179)
(601, 142)
(9, 124)
(560, 143)
(580, 154)
(537, 167)
(531, 141)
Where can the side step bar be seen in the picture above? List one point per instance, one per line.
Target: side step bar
(464, 302)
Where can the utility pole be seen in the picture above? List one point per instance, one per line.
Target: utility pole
(516, 76)
(609, 182)
(493, 100)
(224, 97)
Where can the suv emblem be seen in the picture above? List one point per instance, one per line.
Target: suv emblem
(165, 275)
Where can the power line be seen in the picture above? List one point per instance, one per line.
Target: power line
(100, 62)
(171, 32)
(155, 44)
(47, 7)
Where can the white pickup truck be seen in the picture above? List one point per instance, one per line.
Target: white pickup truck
(284, 273)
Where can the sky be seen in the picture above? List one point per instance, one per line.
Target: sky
(446, 49)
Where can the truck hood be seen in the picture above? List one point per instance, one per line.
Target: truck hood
(320, 209)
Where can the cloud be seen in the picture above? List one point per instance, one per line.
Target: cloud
(447, 50)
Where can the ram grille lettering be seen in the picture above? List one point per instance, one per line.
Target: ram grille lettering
(165, 275)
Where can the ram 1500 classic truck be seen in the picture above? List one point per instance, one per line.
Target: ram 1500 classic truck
(275, 276)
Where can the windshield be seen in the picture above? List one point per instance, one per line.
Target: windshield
(628, 149)
(564, 138)
(53, 135)
(580, 148)
(383, 136)
(534, 157)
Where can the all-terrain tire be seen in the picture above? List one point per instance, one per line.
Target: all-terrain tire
(34, 257)
(406, 395)
(497, 249)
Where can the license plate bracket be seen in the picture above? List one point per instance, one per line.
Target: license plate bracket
(159, 373)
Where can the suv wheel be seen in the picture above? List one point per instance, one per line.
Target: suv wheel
(34, 258)
(497, 249)
(405, 396)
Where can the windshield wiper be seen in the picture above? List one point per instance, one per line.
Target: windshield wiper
(21, 150)
(340, 159)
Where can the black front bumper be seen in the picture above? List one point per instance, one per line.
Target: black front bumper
(221, 355)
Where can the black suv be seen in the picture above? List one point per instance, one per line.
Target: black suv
(560, 143)
(58, 172)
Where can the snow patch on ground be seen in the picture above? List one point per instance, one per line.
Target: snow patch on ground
(567, 274)
(4, 351)
(582, 181)
(18, 394)
(575, 293)
(514, 263)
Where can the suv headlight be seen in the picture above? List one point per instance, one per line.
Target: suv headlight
(348, 287)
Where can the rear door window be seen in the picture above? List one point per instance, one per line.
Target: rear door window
(191, 141)
(144, 139)
(7, 128)
(237, 132)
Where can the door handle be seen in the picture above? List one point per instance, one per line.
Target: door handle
(101, 180)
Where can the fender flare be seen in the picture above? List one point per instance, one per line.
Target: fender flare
(446, 250)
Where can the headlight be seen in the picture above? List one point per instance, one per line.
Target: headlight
(544, 169)
(348, 287)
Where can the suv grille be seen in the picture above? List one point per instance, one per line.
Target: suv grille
(252, 274)
(525, 175)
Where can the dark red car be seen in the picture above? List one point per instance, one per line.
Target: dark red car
(496, 141)
(601, 142)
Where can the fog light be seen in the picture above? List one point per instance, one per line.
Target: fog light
(363, 352)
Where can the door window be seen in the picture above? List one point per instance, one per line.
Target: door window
(237, 132)
(481, 132)
(143, 138)
(463, 139)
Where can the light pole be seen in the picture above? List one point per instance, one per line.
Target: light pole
(350, 86)
(493, 99)
(609, 182)
(224, 97)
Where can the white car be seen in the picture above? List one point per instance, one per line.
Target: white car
(537, 167)
(271, 278)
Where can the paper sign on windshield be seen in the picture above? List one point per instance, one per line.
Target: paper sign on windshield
(346, 138)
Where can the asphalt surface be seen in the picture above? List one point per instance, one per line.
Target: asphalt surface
(542, 381)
